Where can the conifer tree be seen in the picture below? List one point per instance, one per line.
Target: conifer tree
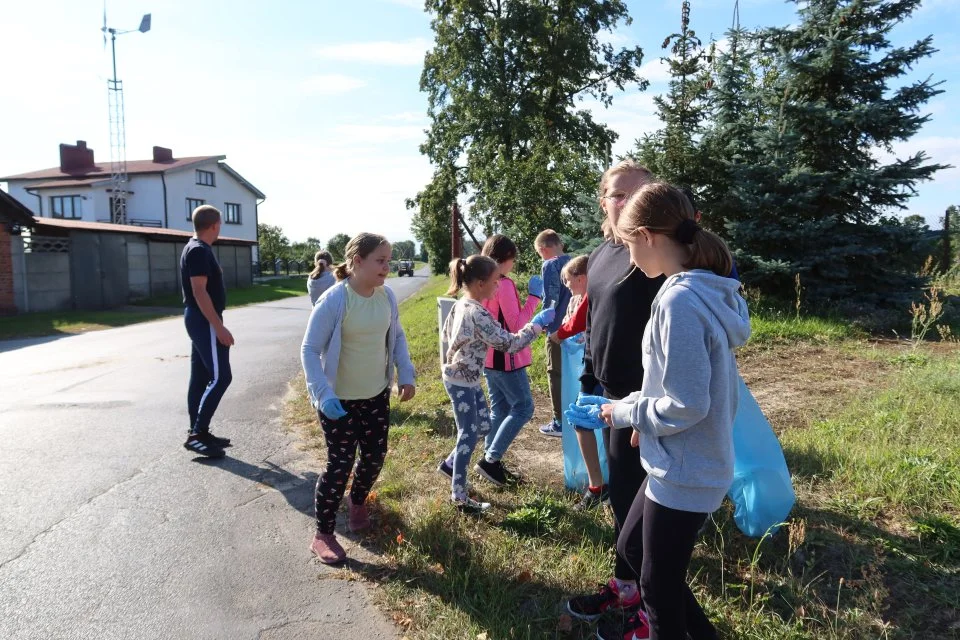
(818, 200)
(672, 152)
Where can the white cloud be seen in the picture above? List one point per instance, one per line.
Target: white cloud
(331, 84)
(384, 52)
(656, 71)
(378, 133)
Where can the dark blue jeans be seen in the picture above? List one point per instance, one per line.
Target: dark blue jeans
(210, 373)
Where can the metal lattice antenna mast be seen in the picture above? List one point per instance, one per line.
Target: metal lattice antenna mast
(118, 128)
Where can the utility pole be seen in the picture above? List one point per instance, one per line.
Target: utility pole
(118, 133)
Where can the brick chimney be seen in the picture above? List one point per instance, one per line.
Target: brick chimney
(162, 154)
(75, 158)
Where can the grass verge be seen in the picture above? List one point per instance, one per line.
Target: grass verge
(266, 291)
(70, 322)
(872, 549)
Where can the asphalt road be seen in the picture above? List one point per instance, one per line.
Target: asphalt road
(110, 529)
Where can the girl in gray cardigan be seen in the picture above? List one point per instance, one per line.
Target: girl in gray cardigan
(682, 417)
(352, 345)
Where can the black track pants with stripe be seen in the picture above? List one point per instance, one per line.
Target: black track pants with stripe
(209, 371)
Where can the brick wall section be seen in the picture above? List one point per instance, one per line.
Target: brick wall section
(6, 272)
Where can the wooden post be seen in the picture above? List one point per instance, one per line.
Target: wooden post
(456, 237)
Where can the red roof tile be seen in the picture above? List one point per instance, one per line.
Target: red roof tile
(103, 169)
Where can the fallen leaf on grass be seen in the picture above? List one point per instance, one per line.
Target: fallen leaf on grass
(524, 576)
(565, 623)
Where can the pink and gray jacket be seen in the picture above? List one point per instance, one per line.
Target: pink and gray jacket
(515, 317)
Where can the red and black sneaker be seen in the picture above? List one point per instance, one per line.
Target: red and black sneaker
(634, 627)
(591, 606)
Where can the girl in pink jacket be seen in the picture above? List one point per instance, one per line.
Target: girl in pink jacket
(511, 403)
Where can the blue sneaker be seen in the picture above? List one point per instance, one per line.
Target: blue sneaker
(554, 429)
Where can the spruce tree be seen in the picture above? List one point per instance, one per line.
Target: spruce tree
(819, 201)
(672, 152)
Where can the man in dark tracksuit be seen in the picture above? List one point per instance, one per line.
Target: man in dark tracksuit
(204, 299)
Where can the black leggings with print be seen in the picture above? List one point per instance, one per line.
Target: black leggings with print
(366, 426)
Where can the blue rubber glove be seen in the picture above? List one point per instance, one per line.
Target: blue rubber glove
(545, 317)
(585, 417)
(584, 400)
(332, 409)
(535, 286)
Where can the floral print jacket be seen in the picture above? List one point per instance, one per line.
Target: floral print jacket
(468, 332)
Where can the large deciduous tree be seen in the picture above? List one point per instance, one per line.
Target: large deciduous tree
(505, 80)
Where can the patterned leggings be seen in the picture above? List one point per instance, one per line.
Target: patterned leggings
(472, 416)
(366, 425)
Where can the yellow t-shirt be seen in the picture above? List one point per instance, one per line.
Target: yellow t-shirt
(362, 371)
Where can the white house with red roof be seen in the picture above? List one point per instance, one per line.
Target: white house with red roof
(161, 192)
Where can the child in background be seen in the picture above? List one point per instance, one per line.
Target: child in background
(511, 402)
(550, 248)
(469, 331)
(321, 278)
(575, 278)
(682, 416)
(352, 345)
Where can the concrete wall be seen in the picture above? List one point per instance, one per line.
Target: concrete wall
(164, 266)
(48, 282)
(138, 267)
(153, 268)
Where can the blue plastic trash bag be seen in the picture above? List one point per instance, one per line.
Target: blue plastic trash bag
(762, 491)
(574, 469)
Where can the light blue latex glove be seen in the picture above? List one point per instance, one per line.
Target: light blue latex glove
(585, 417)
(545, 317)
(535, 286)
(332, 409)
(583, 400)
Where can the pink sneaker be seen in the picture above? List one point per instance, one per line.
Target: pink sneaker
(359, 518)
(326, 547)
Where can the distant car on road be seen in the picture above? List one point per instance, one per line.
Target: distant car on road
(405, 267)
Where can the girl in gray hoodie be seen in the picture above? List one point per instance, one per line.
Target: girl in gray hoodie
(682, 417)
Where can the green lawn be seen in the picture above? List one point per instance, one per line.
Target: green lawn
(266, 291)
(872, 549)
(57, 322)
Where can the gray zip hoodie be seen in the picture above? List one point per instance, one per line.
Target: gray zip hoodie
(685, 409)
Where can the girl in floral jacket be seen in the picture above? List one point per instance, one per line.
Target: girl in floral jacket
(469, 331)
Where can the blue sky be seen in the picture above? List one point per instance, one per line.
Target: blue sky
(318, 103)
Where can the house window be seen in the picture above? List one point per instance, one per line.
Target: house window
(206, 178)
(193, 203)
(66, 206)
(231, 213)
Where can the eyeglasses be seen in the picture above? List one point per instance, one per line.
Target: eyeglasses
(617, 197)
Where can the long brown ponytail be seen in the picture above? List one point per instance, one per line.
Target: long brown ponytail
(661, 208)
(321, 261)
(464, 272)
